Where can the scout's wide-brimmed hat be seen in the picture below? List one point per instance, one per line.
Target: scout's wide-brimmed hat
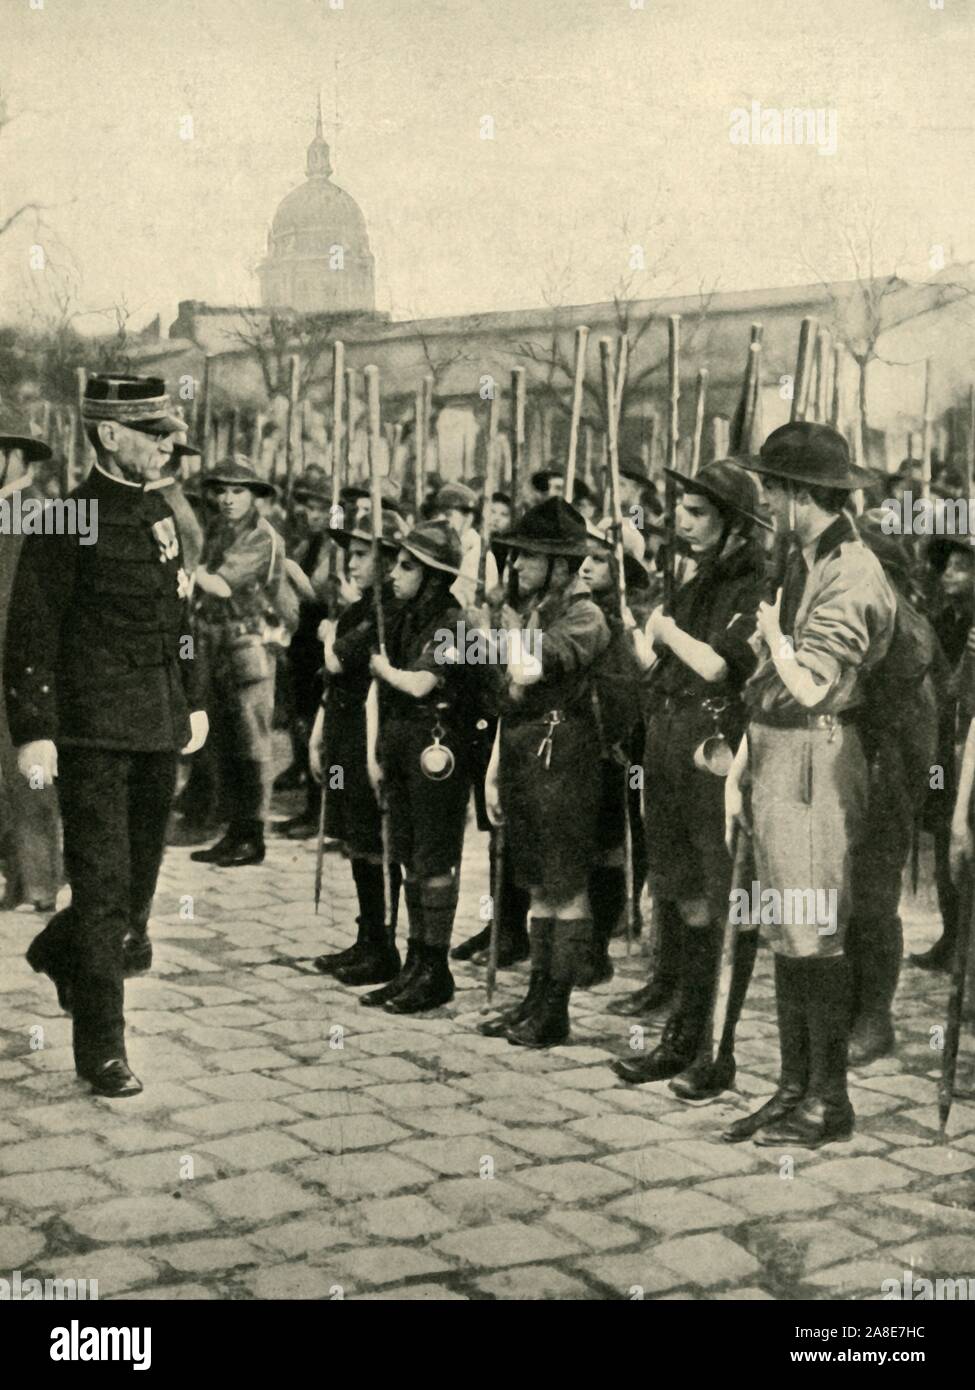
(239, 472)
(433, 543)
(633, 467)
(804, 452)
(634, 570)
(314, 489)
(541, 478)
(552, 527)
(393, 527)
(725, 483)
(139, 402)
(33, 450)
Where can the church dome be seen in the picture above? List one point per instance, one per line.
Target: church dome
(318, 257)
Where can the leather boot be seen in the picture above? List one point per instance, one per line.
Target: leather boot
(432, 984)
(707, 1077)
(377, 959)
(136, 954)
(376, 998)
(874, 948)
(661, 987)
(686, 1026)
(541, 950)
(824, 1115)
(334, 960)
(249, 849)
(215, 853)
(513, 905)
(467, 950)
(548, 1024)
(793, 1052)
(370, 907)
(607, 894)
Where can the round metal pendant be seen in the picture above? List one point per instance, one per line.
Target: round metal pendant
(714, 755)
(436, 762)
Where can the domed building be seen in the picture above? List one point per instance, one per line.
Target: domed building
(318, 257)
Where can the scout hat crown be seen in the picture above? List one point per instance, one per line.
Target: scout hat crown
(434, 543)
(552, 527)
(33, 450)
(635, 469)
(393, 527)
(140, 402)
(804, 452)
(455, 497)
(239, 472)
(725, 483)
(543, 476)
(313, 489)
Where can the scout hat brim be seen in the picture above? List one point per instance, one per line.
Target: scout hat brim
(425, 558)
(702, 488)
(258, 486)
(542, 547)
(849, 481)
(33, 450)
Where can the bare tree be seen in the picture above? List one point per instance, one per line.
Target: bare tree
(8, 220)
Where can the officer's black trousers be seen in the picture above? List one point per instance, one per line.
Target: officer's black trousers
(114, 807)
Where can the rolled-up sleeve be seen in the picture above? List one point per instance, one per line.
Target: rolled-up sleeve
(573, 641)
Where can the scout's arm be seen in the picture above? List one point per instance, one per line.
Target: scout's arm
(960, 851)
(734, 801)
(247, 561)
(806, 686)
(42, 591)
(572, 643)
(373, 765)
(419, 684)
(703, 660)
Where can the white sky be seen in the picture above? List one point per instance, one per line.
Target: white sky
(612, 127)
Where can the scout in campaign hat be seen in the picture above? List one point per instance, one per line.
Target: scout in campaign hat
(552, 527)
(361, 530)
(137, 402)
(435, 544)
(33, 450)
(804, 452)
(238, 472)
(725, 483)
(313, 489)
(456, 497)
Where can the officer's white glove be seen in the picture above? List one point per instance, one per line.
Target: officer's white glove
(199, 728)
(38, 762)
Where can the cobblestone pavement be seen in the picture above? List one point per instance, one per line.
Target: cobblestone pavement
(292, 1144)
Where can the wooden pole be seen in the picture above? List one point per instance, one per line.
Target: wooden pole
(351, 405)
(289, 443)
(927, 438)
(517, 431)
(720, 436)
(800, 384)
(578, 381)
(427, 388)
(824, 361)
(622, 364)
(206, 443)
(419, 452)
(69, 474)
(970, 451)
(87, 452)
(587, 453)
(702, 386)
(673, 442)
(491, 441)
(834, 405)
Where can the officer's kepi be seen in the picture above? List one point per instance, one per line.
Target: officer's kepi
(137, 402)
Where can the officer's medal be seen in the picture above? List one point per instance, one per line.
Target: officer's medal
(436, 761)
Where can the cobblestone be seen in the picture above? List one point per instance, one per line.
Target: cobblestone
(421, 1161)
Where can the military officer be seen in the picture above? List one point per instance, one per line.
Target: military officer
(101, 694)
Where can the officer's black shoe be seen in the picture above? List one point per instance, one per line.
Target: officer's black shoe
(498, 1027)
(548, 1025)
(378, 997)
(431, 986)
(940, 957)
(378, 962)
(705, 1078)
(672, 1054)
(473, 945)
(215, 853)
(647, 1000)
(136, 955)
(43, 962)
(247, 851)
(114, 1079)
(812, 1123)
